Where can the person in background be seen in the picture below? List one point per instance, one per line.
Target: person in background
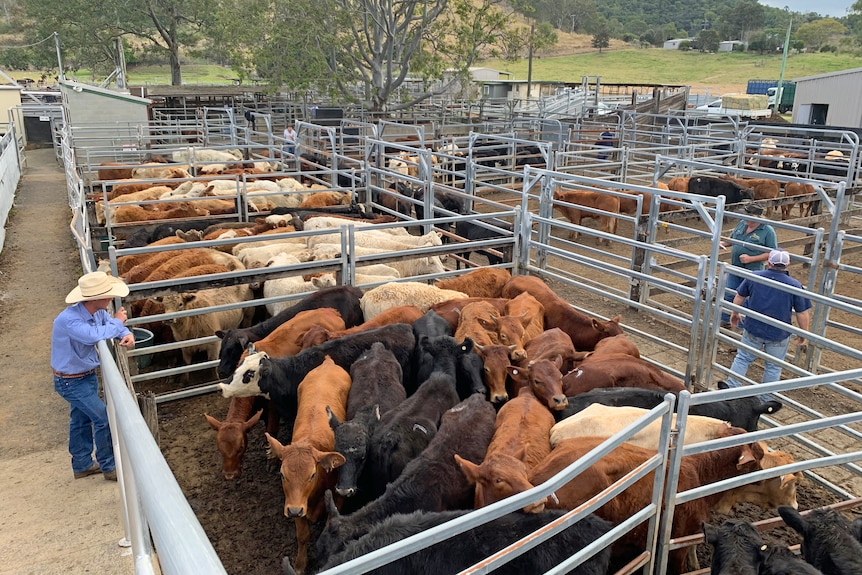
(756, 232)
(606, 140)
(289, 140)
(772, 302)
(249, 116)
(77, 330)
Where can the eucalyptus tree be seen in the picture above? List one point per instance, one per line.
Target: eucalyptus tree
(365, 50)
(88, 28)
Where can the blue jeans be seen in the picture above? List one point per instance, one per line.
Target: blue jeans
(88, 422)
(744, 358)
(730, 292)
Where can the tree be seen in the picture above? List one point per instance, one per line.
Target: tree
(364, 50)
(816, 34)
(742, 17)
(708, 41)
(601, 37)
(88, 28)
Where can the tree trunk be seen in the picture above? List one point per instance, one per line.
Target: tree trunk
(176, 73)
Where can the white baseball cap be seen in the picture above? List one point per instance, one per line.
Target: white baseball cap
(779, 258)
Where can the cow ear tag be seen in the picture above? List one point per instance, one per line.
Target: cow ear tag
(763, 547)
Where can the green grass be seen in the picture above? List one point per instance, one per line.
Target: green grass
(657, 66)
(161, 74)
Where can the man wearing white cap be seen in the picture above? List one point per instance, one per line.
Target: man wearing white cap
(74, 360)
(772, 302)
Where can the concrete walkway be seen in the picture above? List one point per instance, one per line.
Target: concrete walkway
(49, 522)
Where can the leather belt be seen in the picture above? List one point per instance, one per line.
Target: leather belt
(74, 375)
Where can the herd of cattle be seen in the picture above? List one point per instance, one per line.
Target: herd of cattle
(411, 404)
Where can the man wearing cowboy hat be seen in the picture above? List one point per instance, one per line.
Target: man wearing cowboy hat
(74, 360)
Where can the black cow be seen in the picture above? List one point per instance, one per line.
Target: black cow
(148, 234)
(343, 299)
(856, 528)
(444, 354)
(781, 561)
(466, 549)
(737, 548)
(827, 542)
(280, 377)
(431, 482)
(714, 187)
(744, 412)
(376, 388)
(472, 231)
(406, 430)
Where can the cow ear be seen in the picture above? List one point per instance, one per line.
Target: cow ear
(747, 456)
(214, 423)
(526, 318)
(220, 334)
(517, 374)
(793, 519)
(770, 407)
(331, 460)
(710, 533)
(331, 509)
(558, 362)
(277, 447)
(253, 421)
(467, 345)
(596, 325)
(722, 385)
(468, 468)
(334, 422)
(264, 369)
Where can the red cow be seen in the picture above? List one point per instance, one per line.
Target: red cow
(584, 330)
(479, 321)
(695, 471)
(398, 314)
(495, 360)
(232, 434)
(543, 377)
(451, 310)
(610, 345)
(483, 282)
(596, 200)
(520, 442)
(551, 344)
(618, 370)
(307, 463)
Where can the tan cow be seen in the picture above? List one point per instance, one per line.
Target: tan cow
(596, 200)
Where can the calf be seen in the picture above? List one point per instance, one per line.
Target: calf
(828, 542)
(769, 493)
(482, 282)
(551, 344)
(696, 470)
(451, 310)
(597, 200)
(431, 482)
(343, 299)
(520, 441)
(782, 561)
(599, 420)
(545, 380)
(794, 189)
(400, 314)
(619, 370)
(278, 378)
(232, 434)
(466, 549)
(525, 305)
(385, 296)
(407, 429)
(287, 339)
(743, 412)
(307, 463)
(737, 548)
(584, 330)
(714, 187)
(478, 322)
(495, 365)
(376, 389)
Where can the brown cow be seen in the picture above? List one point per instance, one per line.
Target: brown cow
(130, 213)
(615, 344)
(495, 362)
(584, 330)
(795, 189)
(451, 310)
(307, 464)
(478, 322)
(482, 282)
(596, 200)
(679, 184)
(769, 493)
(695, 471)
(232, 434)
(618, 370)
(525, 303)
(520, 441)
(544, 379)
(764, 189)
(286, 339)
(551, 344)
(398, 314)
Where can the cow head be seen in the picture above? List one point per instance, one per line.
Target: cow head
(233, 342)
(352, 439)
(302, 471)
(495, 360)
(232, 441)
(510, 331)
(545, 381)
(246, 379)
(498, 477)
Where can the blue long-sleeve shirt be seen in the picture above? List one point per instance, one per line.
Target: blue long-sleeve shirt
(75, 335)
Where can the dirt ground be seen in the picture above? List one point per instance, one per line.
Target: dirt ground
(243, 518)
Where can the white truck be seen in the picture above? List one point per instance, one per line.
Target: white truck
(749, 106)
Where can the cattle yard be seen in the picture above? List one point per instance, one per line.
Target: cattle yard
(490, 189)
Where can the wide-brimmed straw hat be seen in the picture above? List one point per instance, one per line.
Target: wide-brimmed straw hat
(97, 285)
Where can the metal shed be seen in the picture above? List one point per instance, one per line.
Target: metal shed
(88, 105)
(829, 99)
